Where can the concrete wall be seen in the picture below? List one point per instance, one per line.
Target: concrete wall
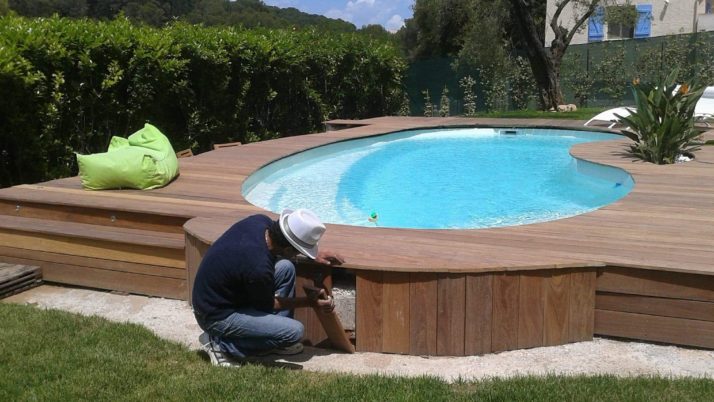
(675, 17)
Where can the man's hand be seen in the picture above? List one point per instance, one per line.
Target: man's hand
(324, 302)
(326, 305)
(329, 258)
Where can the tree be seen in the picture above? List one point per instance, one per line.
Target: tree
(4, 8)
(439, 26)
(545, 62)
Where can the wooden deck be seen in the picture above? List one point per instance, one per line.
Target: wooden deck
(460, 291)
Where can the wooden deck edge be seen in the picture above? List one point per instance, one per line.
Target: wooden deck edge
(138, 237)
(93, 277)
(646, 327)
(92, 248)
(18, 255)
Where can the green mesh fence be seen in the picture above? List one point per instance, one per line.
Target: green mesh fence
(593, 74)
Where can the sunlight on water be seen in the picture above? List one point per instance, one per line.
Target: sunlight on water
(450, 178)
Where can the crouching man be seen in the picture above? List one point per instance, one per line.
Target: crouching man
(244, 291)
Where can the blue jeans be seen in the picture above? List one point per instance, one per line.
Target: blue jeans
(248, 331)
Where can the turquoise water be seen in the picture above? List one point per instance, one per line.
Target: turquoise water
(442, 179)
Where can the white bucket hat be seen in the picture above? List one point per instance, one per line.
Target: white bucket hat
(303, 230)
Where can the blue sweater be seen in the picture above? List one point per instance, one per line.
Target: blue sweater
(237, 271)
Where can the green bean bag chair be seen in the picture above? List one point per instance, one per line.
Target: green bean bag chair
(143, 161)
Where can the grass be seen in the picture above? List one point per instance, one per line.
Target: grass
(53, 355)
(580, 114)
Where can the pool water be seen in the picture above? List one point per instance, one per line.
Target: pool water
(442, 179)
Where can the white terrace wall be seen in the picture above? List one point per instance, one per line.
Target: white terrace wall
(667, 18)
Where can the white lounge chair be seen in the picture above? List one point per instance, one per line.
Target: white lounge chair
(704, 109)
(609, 117)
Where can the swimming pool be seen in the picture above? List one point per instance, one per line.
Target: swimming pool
(442, 179)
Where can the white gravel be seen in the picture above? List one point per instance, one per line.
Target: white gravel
(173, 320)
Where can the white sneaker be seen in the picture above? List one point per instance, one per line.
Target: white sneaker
(218, 358)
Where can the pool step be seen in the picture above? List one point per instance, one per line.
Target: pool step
(107, 257)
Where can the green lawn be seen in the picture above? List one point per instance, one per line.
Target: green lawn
(53, 355)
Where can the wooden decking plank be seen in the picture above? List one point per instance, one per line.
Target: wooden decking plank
(506, 296)
(314, 332)
(655, 328)
(19, 288)
(531, 312)
(78, 214)
(11, 272)
(665, 307)
(94, 248)
(451, 297)
(94, 232)
(423, 296)
(99, 197)
(557, 308)
(479, 314)
(582, 305)
(116, 280)
(396, 313)
(658, 284)
(368, 312)
(19, 256)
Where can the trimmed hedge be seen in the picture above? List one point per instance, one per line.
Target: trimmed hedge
(69, 85)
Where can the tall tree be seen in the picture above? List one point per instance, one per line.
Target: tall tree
(440, 26)
(545, 62)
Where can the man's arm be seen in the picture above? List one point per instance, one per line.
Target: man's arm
(323, 301)
(290, 303)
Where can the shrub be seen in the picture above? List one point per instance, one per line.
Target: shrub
(70, 85)
(467, 85)
(662, 127)
(444, 103)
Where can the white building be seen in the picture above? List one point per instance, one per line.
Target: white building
(654, 18)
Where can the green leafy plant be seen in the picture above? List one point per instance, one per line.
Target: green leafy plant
(444, 103)
(662, 126)
(467, 84)
(428, 106)
(404, 109)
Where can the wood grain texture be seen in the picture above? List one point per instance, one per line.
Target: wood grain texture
(655, 283)
(557, 308)
(95, 216)
(396, 312)
(664, 307)
(368, 312)
(314, 331)
(655, 328)
(451, 313)
(506, 288)
(423, 296)
(581, 321)
(99, 249)
(104, 279)
(195, 250)
(479, 314)
(531, 311)
(11, 254)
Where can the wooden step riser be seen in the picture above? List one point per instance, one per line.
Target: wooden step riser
(93, 216)
(92, 248)
(83, 272)
(655, 306)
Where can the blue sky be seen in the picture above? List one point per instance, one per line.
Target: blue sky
(388, 13)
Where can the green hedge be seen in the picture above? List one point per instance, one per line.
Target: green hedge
(69, 85)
